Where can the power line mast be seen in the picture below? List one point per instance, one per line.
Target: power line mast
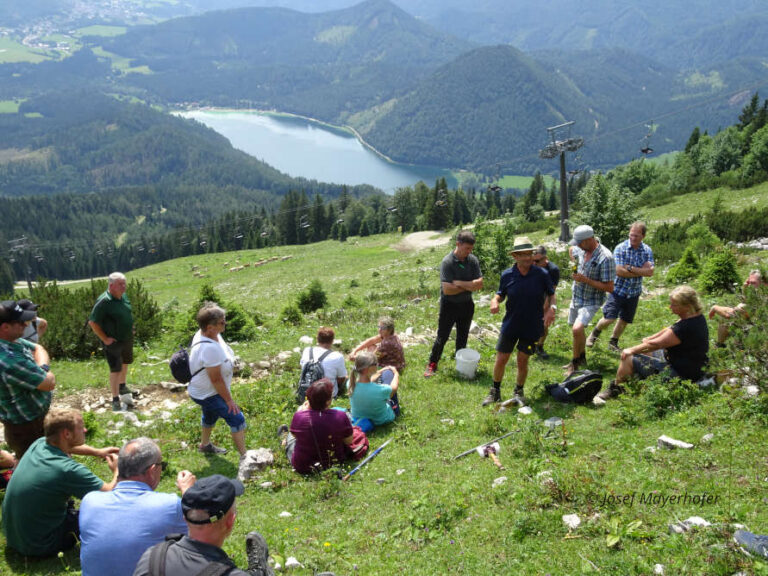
(562, 142)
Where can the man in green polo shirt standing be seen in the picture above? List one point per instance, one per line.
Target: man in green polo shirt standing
(112, 321)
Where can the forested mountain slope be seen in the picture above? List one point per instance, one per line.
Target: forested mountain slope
(493, 105)
(324, 65)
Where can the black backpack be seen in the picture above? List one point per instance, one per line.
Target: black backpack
(311, 372)
(579, 388)
(179, 365)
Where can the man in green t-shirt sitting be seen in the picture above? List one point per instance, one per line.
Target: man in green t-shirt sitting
(112, 321)
(38, 514)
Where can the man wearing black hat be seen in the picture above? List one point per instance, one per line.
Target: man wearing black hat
(37, 326)
(26, 380)
(210, 512)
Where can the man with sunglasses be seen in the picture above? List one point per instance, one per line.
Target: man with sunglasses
(117, 527)
(541, 260)
(26, 380)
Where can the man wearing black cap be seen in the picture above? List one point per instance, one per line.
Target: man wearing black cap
(210, 512)
(26, 380)
(37, 326)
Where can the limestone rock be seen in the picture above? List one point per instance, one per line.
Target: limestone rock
(671, 443)
(572, 521)
(499, 481)
(254, 461)
(306, 340)
(173, 386)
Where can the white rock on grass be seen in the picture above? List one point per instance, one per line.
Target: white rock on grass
(474, 328)
(306, 340)
(254, 461)
(658, 569)
(409, 331)
(670, 443)
(597, 401)
(751, 391)
(285, 514)
(291, 562)
(525, 410)
(707, 438)
(499, 481)
(687, 524)
(400, 471)
(266, 485)
(572, 521)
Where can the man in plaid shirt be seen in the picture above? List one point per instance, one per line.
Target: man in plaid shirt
(26, 380)
(634, 261)
(591, 281)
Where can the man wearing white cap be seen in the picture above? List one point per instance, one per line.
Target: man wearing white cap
(530, 296)
(593, 279)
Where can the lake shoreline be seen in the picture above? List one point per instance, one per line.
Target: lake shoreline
(333, 127)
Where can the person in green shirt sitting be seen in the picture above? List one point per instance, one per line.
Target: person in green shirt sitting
(39, 518)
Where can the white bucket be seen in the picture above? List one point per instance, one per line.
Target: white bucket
(467, 361)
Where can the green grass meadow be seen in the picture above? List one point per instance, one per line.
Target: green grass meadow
(414, 509)
(12, 51)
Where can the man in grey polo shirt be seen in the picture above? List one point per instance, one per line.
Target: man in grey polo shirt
(460, 275)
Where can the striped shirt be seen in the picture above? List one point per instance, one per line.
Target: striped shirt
(600, 267)
(625, 256)
(20, 400)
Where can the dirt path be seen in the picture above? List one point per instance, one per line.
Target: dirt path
(422, 240)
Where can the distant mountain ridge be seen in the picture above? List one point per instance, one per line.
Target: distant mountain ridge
(324, 65)
(491, 107)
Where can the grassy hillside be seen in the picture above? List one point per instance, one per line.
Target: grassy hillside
(414, 509)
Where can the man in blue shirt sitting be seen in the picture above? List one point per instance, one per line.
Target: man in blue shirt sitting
(117, 527)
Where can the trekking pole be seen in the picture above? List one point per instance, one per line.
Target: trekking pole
(484, 445)
(368, 459)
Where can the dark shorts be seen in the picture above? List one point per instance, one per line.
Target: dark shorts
(620, 307)
(119, 353)
(19, 437)
(645, 366)
(214, 408)
(506, 345)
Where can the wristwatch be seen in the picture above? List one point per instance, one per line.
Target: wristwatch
(45, 367)
(629, 268)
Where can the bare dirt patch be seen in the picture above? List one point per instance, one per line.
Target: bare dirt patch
(151, 397)
(422, 240)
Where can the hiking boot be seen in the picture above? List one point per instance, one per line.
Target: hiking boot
(752, 543)
(117, 406)
(493, 396)
(592, 338)
(612, 391)
(613, 345)
(519, 397)
(541, 353)
(431, 369)
(258, 553)
(211, 449)
(125, 390)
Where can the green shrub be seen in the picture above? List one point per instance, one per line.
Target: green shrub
(719, 273)
(240, 325)
(313, 298)
(291, 315)
(687, 268)
(67, 313)
(660, 397)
